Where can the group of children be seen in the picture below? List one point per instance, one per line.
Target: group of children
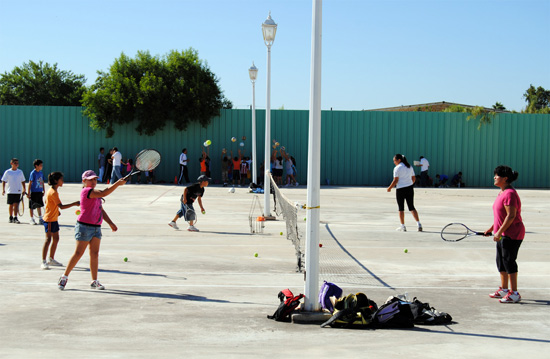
(89, 220)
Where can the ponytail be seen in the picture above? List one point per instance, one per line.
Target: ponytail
(403, 160)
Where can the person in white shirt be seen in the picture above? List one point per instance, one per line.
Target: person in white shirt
(403, 181)
(117, 162)
(424, 165)
(183, 167)
(15, 179)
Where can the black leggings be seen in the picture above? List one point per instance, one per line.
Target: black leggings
(507, 253)
(405, 194)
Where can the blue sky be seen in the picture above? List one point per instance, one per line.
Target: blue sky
(375, 53)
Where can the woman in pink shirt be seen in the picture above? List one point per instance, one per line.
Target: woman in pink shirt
(88, 226)
(508, 232)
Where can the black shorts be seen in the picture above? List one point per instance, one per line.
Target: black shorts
(14, 198)
(507, 253)
(277, 172)
(236, 174)
(405, 194)
(36, 200)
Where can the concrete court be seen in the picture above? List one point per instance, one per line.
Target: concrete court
(205, 295)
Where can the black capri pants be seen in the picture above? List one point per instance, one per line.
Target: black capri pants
(405, 194)
(507, 253)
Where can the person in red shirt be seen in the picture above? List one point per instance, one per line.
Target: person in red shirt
(236, 168)
(508, 232)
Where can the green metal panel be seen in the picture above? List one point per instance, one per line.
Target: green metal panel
(356, 146)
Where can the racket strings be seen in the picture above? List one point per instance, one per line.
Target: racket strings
(454, 232)
(147, 161)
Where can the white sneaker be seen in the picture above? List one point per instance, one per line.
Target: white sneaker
(192, 229)
(96, 285)
(32, 221)
(53, 262)
(173, 225)
(296, 185)
(401, 229)
(44, 265)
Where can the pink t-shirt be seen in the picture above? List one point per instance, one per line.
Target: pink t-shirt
(508, 197)
(90, 208)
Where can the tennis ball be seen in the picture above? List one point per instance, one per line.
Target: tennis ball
(281, 233)
(233, 139)
(406, 250)
(126, 259)
(208, 142)
(320, 245)
(203, 212)
(255, 254)
(77, 212)
(241, 144)
(305, 218)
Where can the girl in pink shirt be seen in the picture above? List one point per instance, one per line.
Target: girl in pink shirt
(508, 232)
(88, 226)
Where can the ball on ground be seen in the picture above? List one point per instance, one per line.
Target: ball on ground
(406, 250)
(281, 233)
(255, 254)
(320, 245)
(126, 259)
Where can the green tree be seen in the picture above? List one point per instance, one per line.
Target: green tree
(499, 107)
(480, 113)
(538, 100)
(153, 91)
(41, 84)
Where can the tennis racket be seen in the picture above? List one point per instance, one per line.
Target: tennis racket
(190, 215)
(454, 232)
(21, 208)
(146, 160)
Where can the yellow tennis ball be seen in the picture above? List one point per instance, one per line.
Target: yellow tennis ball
(126, 259)
(406, 250)
(281, 233)
(255, 254)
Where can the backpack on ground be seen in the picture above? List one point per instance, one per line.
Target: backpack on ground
(396, 313)
(328, 290)
(352, 311)
(431, 316)
(289, 302)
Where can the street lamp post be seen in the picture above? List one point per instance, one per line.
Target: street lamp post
(253, 73)
(269, 28)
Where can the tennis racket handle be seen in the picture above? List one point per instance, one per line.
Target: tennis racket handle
(483, 233)
(130, 174)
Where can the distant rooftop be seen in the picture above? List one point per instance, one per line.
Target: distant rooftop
(430, 107)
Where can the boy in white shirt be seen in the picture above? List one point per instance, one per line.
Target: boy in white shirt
(15, 179)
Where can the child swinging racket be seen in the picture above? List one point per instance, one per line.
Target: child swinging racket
(191, 193)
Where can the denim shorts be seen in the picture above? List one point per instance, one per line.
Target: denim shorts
(83, 232)
(51, 227)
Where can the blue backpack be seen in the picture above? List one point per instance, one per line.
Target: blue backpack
(329, 290)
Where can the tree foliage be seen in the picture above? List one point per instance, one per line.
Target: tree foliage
(153, 91)
(499, 107)
(538, 100)
(41, 84)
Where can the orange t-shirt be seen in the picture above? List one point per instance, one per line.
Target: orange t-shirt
(236, 165)
(203, 166)
(51, 213)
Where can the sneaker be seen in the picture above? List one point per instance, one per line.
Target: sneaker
(401, 229)
(419, 228)
(15, 220)
(33, 221)
(297, 184)
(44, 265)
(288, 184)
(41, 221)
(53, 262)
(62, 282)
(173, 225)
(500, 293)
(96, 285)
(511, 297)
(192, 229)
(11, 219)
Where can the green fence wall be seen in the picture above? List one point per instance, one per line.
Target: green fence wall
(356, 149)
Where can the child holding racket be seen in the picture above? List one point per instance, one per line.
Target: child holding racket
(190, 194)
(88, 226)
(51, 214)
(508, 233)
(403, 181)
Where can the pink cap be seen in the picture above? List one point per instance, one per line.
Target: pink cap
(89, 174)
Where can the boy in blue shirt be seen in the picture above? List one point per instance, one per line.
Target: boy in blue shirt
(35, 194)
